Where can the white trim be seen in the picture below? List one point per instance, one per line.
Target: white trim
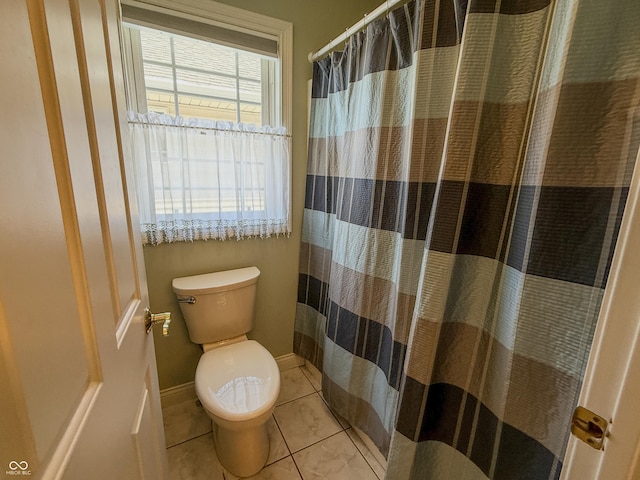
(134, 77)
(289, 361)
(612, 379)
(178, 394)
(217, 14)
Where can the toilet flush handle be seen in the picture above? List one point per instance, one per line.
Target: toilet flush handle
(150, 319)
(190, 300)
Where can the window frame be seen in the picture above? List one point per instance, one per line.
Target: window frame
(236, 26)
(270, 111)
(230, 18)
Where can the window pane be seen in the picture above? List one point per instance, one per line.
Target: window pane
(250, 113)
(204, 55)
(207, 108)
(249, 65)
(158, 77)
(209, 79)
(155, 45)
(206, 84)
(250, 91)
(203, 200)
(160, 102)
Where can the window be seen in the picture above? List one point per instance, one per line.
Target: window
(193, 78)
(209, 114)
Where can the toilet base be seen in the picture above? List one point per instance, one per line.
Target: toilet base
(242, 452)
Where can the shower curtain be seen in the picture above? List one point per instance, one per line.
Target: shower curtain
(468, 168)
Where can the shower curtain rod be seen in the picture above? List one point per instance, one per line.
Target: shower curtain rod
(368, 18)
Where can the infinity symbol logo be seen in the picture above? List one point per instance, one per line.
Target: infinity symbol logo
(13, 465)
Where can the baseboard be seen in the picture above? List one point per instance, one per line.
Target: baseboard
(175, 395)
(289, 361)
(187, 391)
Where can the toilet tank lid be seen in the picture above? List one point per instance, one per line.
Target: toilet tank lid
(216, 281)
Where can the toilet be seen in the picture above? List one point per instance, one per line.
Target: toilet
(237, 379)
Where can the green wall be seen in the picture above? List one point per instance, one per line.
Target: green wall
(314, 24)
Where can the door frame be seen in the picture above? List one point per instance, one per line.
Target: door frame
(611, 386)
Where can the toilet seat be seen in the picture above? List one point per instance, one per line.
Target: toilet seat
(236, 382)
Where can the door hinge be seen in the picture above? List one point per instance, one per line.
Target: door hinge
(589, 427)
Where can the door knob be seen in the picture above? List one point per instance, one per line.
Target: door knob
(150, 319)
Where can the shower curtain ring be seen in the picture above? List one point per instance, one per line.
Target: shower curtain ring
(364, 22)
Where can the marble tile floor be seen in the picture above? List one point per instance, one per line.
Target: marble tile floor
(307, 441)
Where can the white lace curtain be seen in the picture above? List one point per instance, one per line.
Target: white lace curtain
(201, 179)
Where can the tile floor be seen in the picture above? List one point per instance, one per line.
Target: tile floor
(307, 441)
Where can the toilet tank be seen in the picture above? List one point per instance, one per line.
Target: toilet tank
(218, 306)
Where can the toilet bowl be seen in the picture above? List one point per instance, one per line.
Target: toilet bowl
(237, 380)
(238, 385)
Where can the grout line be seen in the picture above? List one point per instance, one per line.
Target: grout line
(295, 464)
(189, 416)
(335, 415)
(290, 452)
(310, 378)
(283, 439)
(275, 420)
(315, 443)
(345, 430)
(189, 439)
(286, 445)
(298, 398)
(360, 451)
(280, 430)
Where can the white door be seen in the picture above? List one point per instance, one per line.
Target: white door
(78, 385)
(612, 381)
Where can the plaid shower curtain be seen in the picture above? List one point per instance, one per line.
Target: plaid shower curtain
(468, 170)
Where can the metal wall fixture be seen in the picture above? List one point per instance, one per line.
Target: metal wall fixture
(190, 300)
(151, 319)
(589, 427)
